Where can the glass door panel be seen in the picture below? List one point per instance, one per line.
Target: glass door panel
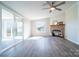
(12, 26)
(18, 32)
(7, 25)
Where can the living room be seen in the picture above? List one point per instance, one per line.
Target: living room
(32, 24)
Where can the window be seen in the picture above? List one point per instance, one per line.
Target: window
(41, 26)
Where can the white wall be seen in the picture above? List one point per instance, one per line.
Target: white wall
(57, 17)
(71, 23)
(27, 28)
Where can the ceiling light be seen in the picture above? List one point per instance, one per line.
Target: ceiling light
(52, 8)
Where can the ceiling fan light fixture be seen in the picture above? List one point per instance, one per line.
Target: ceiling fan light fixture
(52, 8)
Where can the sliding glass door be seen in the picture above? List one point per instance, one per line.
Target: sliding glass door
(12, 26)
(7, 25)
(18, 28)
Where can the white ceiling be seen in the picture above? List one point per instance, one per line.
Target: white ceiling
(31, 9)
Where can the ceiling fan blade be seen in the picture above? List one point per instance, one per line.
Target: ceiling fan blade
(58, 9)
(60, 4)
(53, 2)
(49, 3)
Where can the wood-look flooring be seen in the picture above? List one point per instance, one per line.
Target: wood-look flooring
(43, 47)
(7, 43)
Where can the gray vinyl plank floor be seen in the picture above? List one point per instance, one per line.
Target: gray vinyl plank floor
(43, 47)
(5, 44)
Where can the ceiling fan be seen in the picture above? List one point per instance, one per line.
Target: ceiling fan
(53, 6)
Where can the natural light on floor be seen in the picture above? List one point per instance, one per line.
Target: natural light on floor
(36, 38)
